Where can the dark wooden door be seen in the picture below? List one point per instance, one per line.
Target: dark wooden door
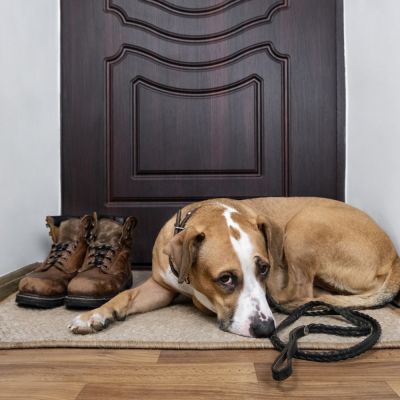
(169, 102)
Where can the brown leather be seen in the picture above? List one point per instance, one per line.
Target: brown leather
(106, 269)
(67, 253)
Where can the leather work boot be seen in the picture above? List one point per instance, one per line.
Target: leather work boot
(106, 270)
(46, 286)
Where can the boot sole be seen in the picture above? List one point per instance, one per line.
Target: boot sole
(93, 302)
(31, 300)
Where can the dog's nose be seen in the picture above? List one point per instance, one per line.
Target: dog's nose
(261, 328)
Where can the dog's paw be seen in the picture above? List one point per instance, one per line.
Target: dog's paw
(89, 322)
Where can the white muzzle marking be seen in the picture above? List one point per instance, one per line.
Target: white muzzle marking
(252, 303)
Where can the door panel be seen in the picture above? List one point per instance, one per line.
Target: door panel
(180, 129)
(168, 102)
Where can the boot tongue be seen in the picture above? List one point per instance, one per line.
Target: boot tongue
(69, 230)
(108, 232)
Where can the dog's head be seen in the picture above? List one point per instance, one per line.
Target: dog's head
(225, 253)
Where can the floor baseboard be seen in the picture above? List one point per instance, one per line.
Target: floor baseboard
(9, 282)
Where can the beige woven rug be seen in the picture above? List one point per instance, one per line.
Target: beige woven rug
(179, 326)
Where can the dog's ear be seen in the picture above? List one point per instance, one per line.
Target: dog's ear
(273, 236)
(183, 248)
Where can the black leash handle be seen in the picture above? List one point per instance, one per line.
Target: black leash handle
(363, 325)
(282, 366)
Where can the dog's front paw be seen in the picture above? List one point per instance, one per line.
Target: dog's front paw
(89, 322)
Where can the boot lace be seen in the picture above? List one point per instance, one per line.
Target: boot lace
(100, 255)
(57, 255)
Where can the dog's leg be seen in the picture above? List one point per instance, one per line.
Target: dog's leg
(299, 286)
(300, 283)
(146, 297)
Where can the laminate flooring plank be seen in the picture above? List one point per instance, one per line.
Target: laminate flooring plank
(129, 374)
(28, 390)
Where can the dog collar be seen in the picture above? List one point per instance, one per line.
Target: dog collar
(179, 226)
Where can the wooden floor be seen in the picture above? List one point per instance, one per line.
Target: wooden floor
(142, 374)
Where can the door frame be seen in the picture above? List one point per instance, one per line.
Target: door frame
(340, 103)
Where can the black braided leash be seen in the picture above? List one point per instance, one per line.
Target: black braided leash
(363, 325)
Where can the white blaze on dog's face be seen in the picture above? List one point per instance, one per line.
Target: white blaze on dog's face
(252, 315)
(231, 271)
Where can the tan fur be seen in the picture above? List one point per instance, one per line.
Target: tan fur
(335, 243)
(319, 249)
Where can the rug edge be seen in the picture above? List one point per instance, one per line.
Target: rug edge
(172, 345)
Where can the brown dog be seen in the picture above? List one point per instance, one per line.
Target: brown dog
(229, 251)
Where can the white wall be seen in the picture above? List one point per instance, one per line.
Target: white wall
(29, 128)
(372, 50)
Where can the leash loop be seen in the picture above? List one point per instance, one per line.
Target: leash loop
(363, 325)
(282, 366)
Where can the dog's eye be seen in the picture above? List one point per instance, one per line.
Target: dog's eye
(262, 267)
(226, 279)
